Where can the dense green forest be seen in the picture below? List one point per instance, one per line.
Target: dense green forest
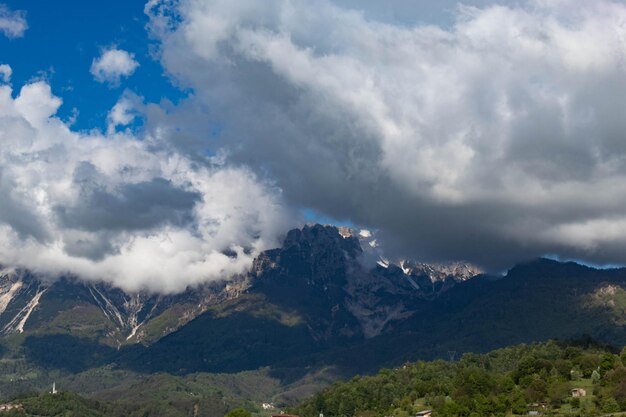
(507, 382)
(536, 378)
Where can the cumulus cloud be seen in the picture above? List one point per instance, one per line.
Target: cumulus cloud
(122, 208)
(12, 22)
(494, 138)
(112, 65)
(5, 73)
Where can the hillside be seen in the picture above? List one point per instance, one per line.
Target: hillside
(510, 381)
(507, 382)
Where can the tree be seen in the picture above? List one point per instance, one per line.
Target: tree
(595, 376)
(619, 393)
(238, 412)
(557, 391)
(607, 362)
(609, 405)
(622, 356)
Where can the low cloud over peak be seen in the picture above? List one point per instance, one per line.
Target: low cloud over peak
(120, 208)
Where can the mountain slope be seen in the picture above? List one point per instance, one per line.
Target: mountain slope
(32, 304)
(536, 301)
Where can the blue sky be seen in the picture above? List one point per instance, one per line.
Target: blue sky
(64, 37)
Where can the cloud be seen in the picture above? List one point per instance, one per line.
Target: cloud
(112, 65)
(5, 73)
(121, 207)
(127, 108)
(493, 138)
(12, 23)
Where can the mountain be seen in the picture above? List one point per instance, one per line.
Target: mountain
(326, 304)
(535, 301)
(326, 265)
(312, 295)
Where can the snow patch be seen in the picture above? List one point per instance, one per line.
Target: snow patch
(384, 263)
(364, 233)
(412, 282)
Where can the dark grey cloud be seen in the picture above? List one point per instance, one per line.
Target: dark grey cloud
(137, 206)
(18, 214)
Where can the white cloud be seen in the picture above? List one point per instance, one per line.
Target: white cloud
(5, 73)
(124, 112)
(112, 65)
(469, 141)
(122, 208)
(12, 23)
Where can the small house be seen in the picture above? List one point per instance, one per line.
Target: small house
(425, 413)
(578, 392)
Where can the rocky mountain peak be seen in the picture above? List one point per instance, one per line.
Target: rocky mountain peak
(320, 239)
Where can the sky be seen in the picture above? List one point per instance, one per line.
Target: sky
(161, 144)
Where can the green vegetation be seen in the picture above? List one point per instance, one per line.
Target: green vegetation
(266, 334)
(506, 382)
(124, 393)
(503, 383)
(163, 324)
(68, 404)
(239, 412)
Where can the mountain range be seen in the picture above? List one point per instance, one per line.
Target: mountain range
(326, 304)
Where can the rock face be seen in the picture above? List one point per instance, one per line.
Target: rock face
(320, 271)
(324, 270)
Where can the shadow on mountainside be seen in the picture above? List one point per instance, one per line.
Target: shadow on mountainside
(65, 352)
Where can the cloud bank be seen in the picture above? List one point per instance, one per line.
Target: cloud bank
(493, 139)
(122, 208)
(112, 65)
(12, 22)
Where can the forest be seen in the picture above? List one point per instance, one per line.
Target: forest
(579, 378)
